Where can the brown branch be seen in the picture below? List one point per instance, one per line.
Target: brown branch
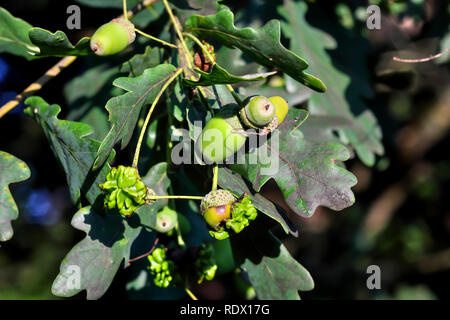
(145, 254)
(423, 59)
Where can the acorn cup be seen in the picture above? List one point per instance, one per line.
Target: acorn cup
(224, 213)
(113, 37)
(258, 112)
(216, 207)
(264, 114)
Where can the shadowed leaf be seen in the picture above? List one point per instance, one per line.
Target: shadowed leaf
(12, 170)
(364, 134)
(73, 148)
(107, 244)
(124, 110)
(236, 185)
(273, 273)
(304, 167)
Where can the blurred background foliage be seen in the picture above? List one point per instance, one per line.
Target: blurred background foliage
(401, 219)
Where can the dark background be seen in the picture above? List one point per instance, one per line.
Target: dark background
(401, 219)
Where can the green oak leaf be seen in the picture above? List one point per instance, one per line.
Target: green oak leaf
(97, 258)
(305, 168)
(87, 94)
(364, 134)
(14, 36)
(156, 179)
(12, 170)
(262, 45)
(272, 271)
(219, 75)
(140, 62)
(57, 44)
(107, 243)
(124, 110)
(73, 148)
(186, 8)
(236, 185)
(234, 61)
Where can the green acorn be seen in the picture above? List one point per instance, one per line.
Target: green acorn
(257, 113)
(281, 108)
(222, 135)
(166, 220)
(216, 207)
(113, 37)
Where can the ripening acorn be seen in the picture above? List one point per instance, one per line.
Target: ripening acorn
(281, 108)
(113, 37)
(166, 220)
(216, 207)
(258, 112)
(222, 136)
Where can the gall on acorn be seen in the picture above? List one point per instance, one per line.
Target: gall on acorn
(222, 136)
(113, 37)
(216, 207)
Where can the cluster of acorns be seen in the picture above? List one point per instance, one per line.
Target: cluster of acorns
(225, 133)
(221, 137)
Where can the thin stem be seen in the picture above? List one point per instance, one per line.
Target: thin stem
(234, 94)
(60, 66)
(38, 84)
(177, 30)
(423, 59)
(174, 197)
(125, 11)
(200, 44)
(145, 254)
(180, 240)
(140, 6)
(147, 119)
(215, 176)
(211, 58)
(189, 292)
(196, 40)
(155, 38)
